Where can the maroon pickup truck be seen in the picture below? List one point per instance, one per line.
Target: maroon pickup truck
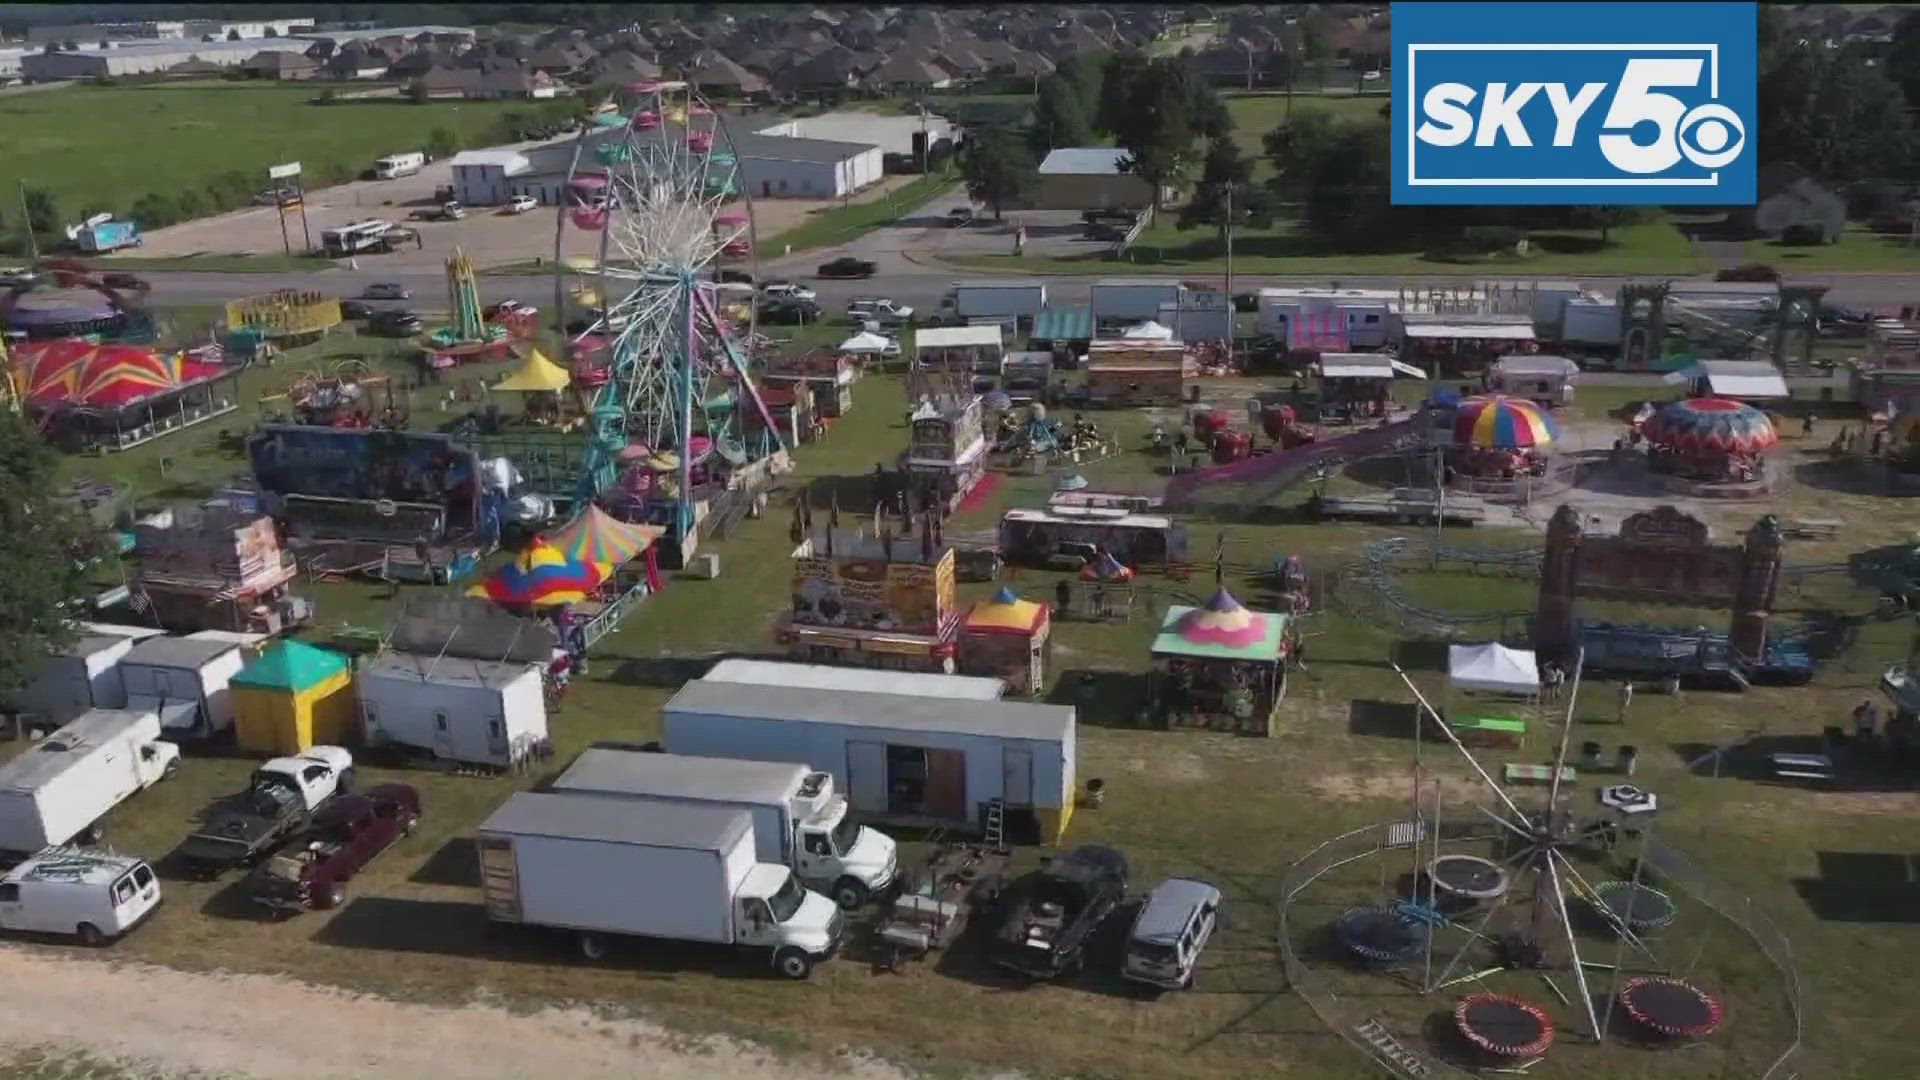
(348, 833)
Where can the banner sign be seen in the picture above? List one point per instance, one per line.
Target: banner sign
(1574, 103)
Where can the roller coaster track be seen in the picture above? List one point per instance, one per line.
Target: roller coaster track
(1267, 475)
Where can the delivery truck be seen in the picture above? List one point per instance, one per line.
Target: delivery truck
(398, 165)
(97, 237)
(59, 790)
(798, 819)
(1011, 301)
(605, 868)
(1133, 300)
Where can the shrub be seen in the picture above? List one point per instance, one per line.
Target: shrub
(1749, 272)
(1802, 236)
(155, 210)
(1488, 239)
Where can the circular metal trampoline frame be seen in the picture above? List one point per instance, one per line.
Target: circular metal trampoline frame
(1379, 934)
(1673, 1007)
(1640, 907)
(1468, 877)
(1506, 1026)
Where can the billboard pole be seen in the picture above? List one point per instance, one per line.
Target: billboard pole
(289, 171)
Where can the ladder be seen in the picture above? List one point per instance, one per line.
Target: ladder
(996, 824)
(1388, 1050)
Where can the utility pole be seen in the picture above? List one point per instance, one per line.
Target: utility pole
(1233, 317)
(26, 223)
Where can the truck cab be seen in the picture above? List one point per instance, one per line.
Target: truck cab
(830, 847)
(774, 911)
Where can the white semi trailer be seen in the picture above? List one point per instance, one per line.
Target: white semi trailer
(59, 790)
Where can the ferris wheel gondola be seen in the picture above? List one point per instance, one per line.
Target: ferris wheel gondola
(665, 344)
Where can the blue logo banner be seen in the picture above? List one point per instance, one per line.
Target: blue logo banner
(1574, 103)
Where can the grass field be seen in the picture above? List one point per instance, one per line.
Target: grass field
(1236, 810)
(102, 148)
(839, 224)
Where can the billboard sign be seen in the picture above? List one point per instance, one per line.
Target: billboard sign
(283, 172)
(1574, 104)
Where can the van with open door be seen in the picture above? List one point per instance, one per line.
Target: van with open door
(91, 895)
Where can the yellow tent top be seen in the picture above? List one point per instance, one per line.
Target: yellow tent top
(537, 373)
(581, 264)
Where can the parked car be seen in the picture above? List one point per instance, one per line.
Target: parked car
(279, 801)
(94, 896)
(520, 204)
(959, 216)
(277, 197)
(346, 835)
(733, 277)
(1050, 913)
(879, 310)
(385, 290)
(119, 279)
(1748, 272)
(509, 309)
(1109, 234)
(1173, 927)
(784, 312)
(1110, 216)
(1244, 302)
(788, 290)
(395, 323)
(356, 310)
(847, 267)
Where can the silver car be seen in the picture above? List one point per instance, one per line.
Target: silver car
(1173, 927)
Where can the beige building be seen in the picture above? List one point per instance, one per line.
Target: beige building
(1088, 178)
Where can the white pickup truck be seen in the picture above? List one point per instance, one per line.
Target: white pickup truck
(279, 800)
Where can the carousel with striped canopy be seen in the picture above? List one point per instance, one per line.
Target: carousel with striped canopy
(1709, 441)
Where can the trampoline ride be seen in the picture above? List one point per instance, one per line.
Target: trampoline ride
(674, 416)
(1536, 928)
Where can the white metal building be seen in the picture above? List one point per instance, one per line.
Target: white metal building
(771, 167)
(903, 758)
(471, 711)
(865, 680)
(147, 59)
(486, 177)
(892, 134)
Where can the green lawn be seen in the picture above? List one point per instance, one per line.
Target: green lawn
(104, 147)
(1857, 250)
(1235, 810)
(839, 224)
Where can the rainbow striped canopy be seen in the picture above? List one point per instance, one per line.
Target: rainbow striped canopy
(600, 539)
(541, 576)
(1503, 423)
(1223, 621)
(74, 371)
(1710, 424)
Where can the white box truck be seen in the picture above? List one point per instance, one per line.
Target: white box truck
(1590, 323)
(60, 789)
(398, 165)
(798, 819)
(1133, 299)
(604, 867)
(994, 300)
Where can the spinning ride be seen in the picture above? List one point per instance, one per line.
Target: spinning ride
(658, 192)
(1711, 440)
(1501, 438)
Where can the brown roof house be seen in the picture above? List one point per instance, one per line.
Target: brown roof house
(907, 69)
(717, 76)
(561, 59)
(269, 64)
(442, 82)
(836, 68)
(520, 83)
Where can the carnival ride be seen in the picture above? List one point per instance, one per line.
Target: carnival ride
(661, 193)
(339, 393)
(1262, 476)
(71, 299)
(1508, 896)
(469, 335)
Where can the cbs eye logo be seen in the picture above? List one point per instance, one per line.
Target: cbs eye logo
(1711, 136)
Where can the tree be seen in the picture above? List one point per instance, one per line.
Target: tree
(1225, 196)
(1295, 148)
(417, 92)
(1903, 58)
(1155, 125)
(1605, 218)
(1826, 109)
(271, 32)
(442, 143)
(155, 210)
(42, 547)
(43, 211)
(233, 35)
(1211, 120)
(997, 169)
(1060, 115)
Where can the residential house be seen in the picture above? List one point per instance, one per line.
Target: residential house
(447, 82)
(835, 68)
(1233, 63)
(1088, 178)
(358, 60)
(905, 71)
(619, 67)
(561, 59)
(516, 82)
(717, 76)
(417, 63)
(194, 69)
(280, 65)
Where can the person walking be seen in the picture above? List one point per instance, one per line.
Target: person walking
(1866, 719)
(1550, 678)
(1062, 598)
(1626, 699)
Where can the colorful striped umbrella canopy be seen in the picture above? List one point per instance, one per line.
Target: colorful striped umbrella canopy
(1006, 613)
(600, 539)
(79, 372)
(1711, 424)
(1106, 568)
(541, 576)
(1503, 423)
(1223, 621)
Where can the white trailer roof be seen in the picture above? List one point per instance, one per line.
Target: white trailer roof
(680, 776)
(445, 670)
(57, 752)
(1735, 378)
(864, 680)
(944, 337)
(191, 654)
(575, 816)
(898, 712)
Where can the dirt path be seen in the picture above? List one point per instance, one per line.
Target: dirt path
(157, 1021)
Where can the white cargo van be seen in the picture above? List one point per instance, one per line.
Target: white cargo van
(68, 781)
(398, 165)
(92, 895)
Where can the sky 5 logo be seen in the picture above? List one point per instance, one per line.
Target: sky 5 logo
(1500, 104)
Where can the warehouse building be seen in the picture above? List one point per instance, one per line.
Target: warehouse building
(771, 167)
(491, 177)
(149, 59)
(893, 134)
(164, 30)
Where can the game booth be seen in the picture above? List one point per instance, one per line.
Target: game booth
(1711, 446)
(828, 376)
(880, 599)
(1221, 666)
(1491, 692)
(259, 326)
(1138, 372)
(1354, 386)
(947, 456)
(1448, 346)
(106, 397)
(398, 504)
(216, 567)
(1007, 638)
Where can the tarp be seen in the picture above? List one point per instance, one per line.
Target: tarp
(536, 373)
(1148, 331)
(1492, 668)
(1734, 378)
(865, 341)
(1063, 324)
(947, 337)
(291, 666)
(1006, 613)
(600, 538)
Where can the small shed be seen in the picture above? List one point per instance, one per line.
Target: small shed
(1221, 663)
(1007, 637)
(907, 759)
(295, 696)
(186, 680)
(1062, 330)
(1734, 380)
(1547, 380)
(477, 712)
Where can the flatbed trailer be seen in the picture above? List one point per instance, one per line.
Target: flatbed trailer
(1401, 506)
(932, 909)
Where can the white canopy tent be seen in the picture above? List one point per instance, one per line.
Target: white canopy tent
(1148, 331)
(865, 341)
(1492, 668)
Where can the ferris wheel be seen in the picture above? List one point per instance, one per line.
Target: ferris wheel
(662, 346)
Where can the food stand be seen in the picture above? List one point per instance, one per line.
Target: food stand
(872, 600)
(947, 455)
(1138, 372)
(1007, 637)
(1221, 665)
(828, 375)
